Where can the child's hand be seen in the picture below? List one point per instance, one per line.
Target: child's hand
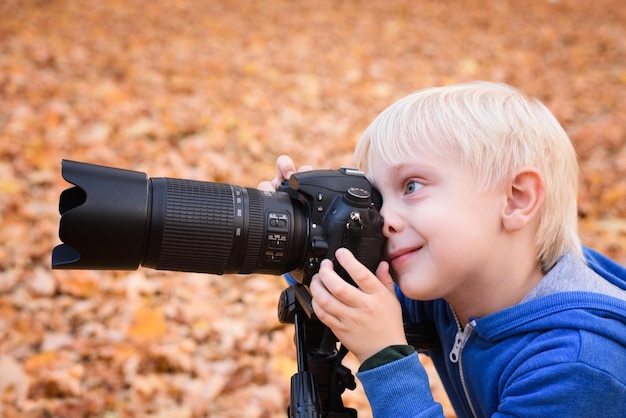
(366, 319)
(284, 169)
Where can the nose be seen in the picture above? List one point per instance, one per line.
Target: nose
(392, 222)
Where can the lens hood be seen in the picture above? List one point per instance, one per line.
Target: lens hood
(103, 218)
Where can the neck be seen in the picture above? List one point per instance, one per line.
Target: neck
(503, 288)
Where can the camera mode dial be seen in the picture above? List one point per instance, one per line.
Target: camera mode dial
(357, 197)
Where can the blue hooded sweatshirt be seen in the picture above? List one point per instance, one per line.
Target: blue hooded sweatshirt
(561, 352)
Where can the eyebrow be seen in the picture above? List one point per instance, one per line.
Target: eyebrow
(420, 167)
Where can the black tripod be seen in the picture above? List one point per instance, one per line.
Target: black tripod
(321, 379)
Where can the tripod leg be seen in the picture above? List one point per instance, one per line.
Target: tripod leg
(321, 378)
(305, 401)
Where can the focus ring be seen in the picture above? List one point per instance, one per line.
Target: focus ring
(198, 226)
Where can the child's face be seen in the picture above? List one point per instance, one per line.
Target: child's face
(443, 234)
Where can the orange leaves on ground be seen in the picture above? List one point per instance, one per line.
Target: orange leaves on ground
(148, 324)
(80, 284)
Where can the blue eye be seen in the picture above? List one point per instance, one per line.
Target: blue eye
(412, 186)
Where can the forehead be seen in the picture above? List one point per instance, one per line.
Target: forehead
(423, 165)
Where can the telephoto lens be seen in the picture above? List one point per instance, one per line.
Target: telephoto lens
(117, 219)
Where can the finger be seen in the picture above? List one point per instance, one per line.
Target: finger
(364, 279)
(284, 167)
(330, 320)
(325, 306)
(341, 291)
(384, 276)
(266, 185)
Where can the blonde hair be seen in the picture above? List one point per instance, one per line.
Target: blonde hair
(494, 130)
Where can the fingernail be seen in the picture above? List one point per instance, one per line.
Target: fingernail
(340, 252)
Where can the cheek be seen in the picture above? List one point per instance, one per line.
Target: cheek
(440, 216)
(451, 232)
(462, 237)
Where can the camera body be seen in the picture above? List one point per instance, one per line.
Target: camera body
(343, 211)
(118, 219)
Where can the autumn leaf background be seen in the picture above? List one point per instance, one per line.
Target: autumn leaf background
(215, 91)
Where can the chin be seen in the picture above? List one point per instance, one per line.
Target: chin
(415, 291)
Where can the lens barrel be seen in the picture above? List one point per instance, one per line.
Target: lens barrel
(118, 219)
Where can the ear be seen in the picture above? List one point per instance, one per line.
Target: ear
(525, 195)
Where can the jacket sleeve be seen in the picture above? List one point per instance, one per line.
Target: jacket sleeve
(400, 389)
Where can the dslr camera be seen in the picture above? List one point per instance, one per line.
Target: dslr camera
(115, 219)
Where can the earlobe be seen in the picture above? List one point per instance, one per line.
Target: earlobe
(525, 195)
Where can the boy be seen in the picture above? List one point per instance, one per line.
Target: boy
(479, 187)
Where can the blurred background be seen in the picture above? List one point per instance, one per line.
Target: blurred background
(215, 91)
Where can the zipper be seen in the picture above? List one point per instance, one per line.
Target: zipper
(460, 339)
(462, 335)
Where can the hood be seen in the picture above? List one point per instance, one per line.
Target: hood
(571, 296)
(605, 267)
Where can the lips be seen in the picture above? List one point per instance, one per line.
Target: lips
(400, 256)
